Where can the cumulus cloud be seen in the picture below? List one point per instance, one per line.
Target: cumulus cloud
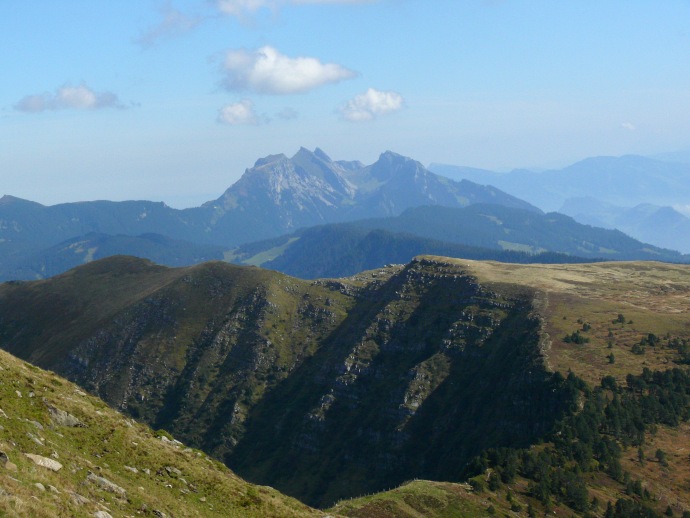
(239, 114)
(267, 71)
(370, 104)
(173, 23)
(243, 7)
(629, 126)
(68, 97)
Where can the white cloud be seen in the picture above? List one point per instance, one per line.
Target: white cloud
(629, 126)
(68, 97)
(267, 71)
(239, 114)
(241, 7)
(244, 7)
(371, 104)
(173, 23)
(332, 1)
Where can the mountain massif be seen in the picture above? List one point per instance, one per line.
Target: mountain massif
(528, 381)
(276, 196)
(405, 210)
(214, 353)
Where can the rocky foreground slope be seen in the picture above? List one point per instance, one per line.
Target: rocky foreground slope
(65, 453)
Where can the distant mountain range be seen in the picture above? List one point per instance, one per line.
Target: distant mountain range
(624, 181)
(663, 226)
(280, 196)
(83, 249)
(635, 194)
(342, 249)
(276, 196)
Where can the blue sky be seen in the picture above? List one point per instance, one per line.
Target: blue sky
(172, 100)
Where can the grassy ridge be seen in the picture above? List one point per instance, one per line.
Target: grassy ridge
(652, 297)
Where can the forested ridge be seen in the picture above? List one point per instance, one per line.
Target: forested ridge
(602, 424)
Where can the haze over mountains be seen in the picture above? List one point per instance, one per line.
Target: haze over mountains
(479, 231)
(644, 197)
(280, 195)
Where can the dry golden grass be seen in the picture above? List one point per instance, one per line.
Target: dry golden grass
(669, 484)
(654, 296)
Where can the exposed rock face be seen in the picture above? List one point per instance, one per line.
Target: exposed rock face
(280, 194)
(395, 374)
(428, 369)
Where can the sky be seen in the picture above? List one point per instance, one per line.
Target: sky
(171, 100)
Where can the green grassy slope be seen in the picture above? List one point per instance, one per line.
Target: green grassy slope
(98, 460)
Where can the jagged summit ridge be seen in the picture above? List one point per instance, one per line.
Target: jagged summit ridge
(267, 160)
(311, 186)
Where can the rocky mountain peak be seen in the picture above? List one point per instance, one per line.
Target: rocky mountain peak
(391, 164)
(316, 155)
(267, 160)
(309, 160)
